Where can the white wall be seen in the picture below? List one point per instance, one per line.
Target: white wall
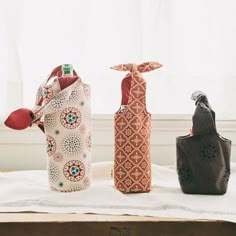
(20, 150)
(194, 40)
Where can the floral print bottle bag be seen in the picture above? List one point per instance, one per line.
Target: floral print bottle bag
(132, 167)
(62, 111)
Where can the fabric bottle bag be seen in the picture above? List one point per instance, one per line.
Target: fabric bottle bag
(62, 111)
(203, 157)
(132, 165)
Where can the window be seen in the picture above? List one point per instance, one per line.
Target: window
(194, 40)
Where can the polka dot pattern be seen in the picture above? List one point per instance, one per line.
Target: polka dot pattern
(53, 172)
(58, 101)
(50, 121)
(75, 95)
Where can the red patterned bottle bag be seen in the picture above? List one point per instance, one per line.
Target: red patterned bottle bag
(132, 165)
(62, 111)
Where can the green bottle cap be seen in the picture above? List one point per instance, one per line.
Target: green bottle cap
(67, 70)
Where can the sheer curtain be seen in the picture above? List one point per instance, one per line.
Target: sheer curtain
(193, 39)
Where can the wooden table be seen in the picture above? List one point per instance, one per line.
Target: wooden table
(42, 224)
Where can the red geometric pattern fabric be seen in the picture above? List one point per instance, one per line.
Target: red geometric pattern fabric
(132, 165)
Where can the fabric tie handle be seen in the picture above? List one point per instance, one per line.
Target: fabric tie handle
(23, 117)
(20, 119)
(204, 116)
(144, 67)
(135, 71)
(200, 96)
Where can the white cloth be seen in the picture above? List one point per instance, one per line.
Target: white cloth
(29, 191)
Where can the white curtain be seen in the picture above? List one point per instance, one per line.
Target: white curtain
(193, 39)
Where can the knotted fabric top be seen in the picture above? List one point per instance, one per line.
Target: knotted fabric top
(144, 67)
(204, 116)
(135, 72)
(24, 117)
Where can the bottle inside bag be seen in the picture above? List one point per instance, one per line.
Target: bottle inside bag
(123, 108)
(67, 70)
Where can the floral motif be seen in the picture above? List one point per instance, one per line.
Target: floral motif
(58, 101)
(128, 132)
(47, 93)
(184, 174)
(226, 175)
(70, 118)
(209, 151)
(128, 148)
(128, 165)
(51, 145)
(75, 95)
(128, 182)
(129, 115)
(136, 173)
(72, 144)
(143, 132)
(74, 170)
(58, 157)
(144, 181)
(144, 148)
(144, 165)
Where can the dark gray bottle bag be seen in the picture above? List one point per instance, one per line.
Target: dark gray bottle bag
(203, 158)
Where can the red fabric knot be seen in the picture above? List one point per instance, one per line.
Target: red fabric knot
(23, 118)
(20, 119)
